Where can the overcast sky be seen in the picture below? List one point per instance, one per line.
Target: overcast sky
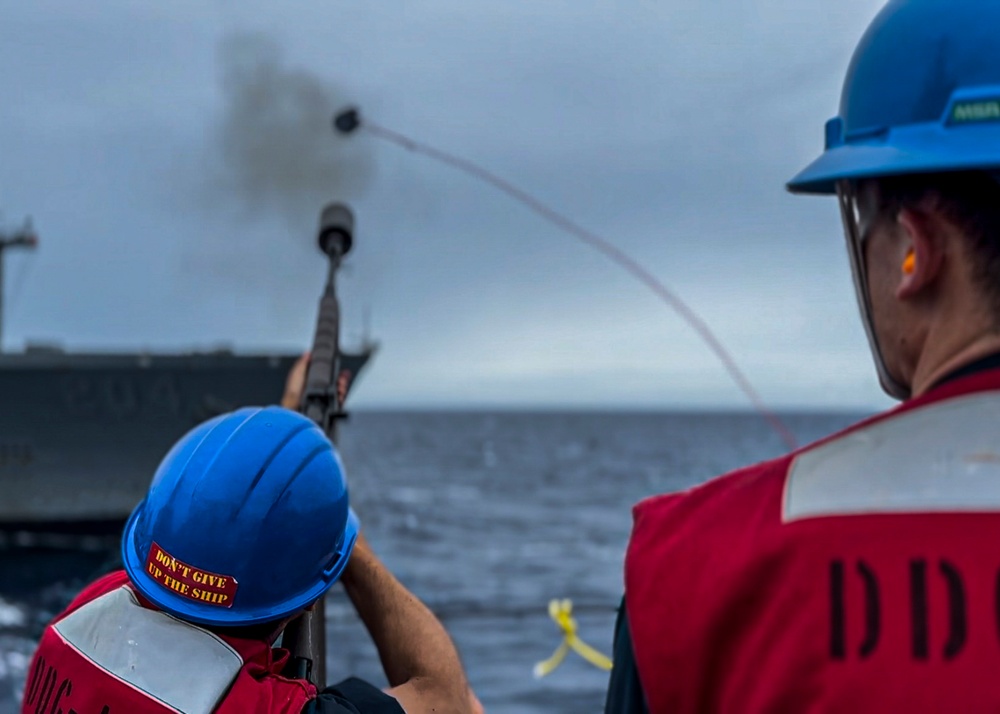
(176, 210)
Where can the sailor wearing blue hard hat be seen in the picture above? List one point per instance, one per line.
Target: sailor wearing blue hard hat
(861, 573)
(246, 523)
(921, 100)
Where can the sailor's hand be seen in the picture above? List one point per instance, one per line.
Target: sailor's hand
(295, 384)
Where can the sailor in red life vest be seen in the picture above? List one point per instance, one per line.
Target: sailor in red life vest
(861, 573)
(245, 524)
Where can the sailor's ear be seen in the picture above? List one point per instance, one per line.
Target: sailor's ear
(923, 251)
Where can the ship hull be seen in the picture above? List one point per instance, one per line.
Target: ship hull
(81, 435)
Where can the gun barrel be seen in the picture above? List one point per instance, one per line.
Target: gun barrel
(305, 637)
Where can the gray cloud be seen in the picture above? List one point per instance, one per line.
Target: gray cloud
(669, 127)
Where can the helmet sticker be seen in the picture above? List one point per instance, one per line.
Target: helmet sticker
(188, 581)
(976, 111)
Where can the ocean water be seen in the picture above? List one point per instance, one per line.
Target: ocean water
(486, 517)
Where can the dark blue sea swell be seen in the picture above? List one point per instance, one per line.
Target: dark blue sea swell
(486, 517)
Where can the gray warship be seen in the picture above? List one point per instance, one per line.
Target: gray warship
(81, 434)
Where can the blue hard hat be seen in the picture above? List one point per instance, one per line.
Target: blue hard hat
(246, 520)
(922, 95)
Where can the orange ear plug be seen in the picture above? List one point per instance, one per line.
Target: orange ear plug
(909, 263)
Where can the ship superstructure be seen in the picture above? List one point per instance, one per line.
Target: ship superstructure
(81, 434)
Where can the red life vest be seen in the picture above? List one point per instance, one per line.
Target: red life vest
(112, 653)
(859, 574)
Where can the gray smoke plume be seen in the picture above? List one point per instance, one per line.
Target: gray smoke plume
(268, 163)
(276, 150)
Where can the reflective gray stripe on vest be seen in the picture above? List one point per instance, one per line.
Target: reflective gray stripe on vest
(185, 667)
(941, 458)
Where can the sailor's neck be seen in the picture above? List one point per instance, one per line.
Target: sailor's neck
(930, 372)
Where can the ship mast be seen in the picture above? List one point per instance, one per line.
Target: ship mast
(23, 238)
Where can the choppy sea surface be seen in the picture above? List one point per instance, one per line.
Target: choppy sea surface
(486, 517)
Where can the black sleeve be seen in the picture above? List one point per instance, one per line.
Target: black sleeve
(353, 696)
(625, 695)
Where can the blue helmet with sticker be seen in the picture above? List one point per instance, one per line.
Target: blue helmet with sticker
(246, 521)
(922, 95)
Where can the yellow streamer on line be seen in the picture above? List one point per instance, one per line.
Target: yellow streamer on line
(562, 612)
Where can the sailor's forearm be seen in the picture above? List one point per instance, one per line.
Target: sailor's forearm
(411, 642)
